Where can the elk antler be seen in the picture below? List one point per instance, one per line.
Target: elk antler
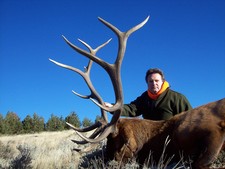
(103, 128)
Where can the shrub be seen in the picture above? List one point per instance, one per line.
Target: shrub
(23, 160)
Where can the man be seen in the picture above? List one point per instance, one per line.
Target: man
(159, 102)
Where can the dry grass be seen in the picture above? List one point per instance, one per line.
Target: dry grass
(46, 150)
(50, 150)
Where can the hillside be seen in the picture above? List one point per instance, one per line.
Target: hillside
(50, 150)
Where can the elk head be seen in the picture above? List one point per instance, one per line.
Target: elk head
(102, 128)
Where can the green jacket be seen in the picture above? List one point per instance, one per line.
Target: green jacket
(168, 104)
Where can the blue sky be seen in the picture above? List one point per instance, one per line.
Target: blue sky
(185, 38)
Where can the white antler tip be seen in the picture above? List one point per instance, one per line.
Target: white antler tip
(51, 60)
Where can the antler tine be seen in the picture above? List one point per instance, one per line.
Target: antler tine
(75, 70)
(85, 53)
(92, 136)
(82, 96)
(103, 135)
(99, 47)
(98, 125)
(138, 26)
(118, 32)
(89, 128)
(87, 149)
(122, 36)
(93, 51)
(67, 67)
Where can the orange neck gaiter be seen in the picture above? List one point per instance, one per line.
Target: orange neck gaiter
(165, 85)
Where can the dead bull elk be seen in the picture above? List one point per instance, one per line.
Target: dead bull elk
(198, 133)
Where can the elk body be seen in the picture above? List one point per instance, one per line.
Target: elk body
(198, 133)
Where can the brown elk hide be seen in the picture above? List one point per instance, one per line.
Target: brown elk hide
(198, 133)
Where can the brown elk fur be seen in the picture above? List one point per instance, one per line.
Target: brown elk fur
(198, 133)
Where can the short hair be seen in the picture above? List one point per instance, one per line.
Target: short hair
(152, 71)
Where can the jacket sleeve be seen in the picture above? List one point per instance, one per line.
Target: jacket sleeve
(129, 110)
(134, 108)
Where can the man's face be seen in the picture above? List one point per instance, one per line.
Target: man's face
(154, 82)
